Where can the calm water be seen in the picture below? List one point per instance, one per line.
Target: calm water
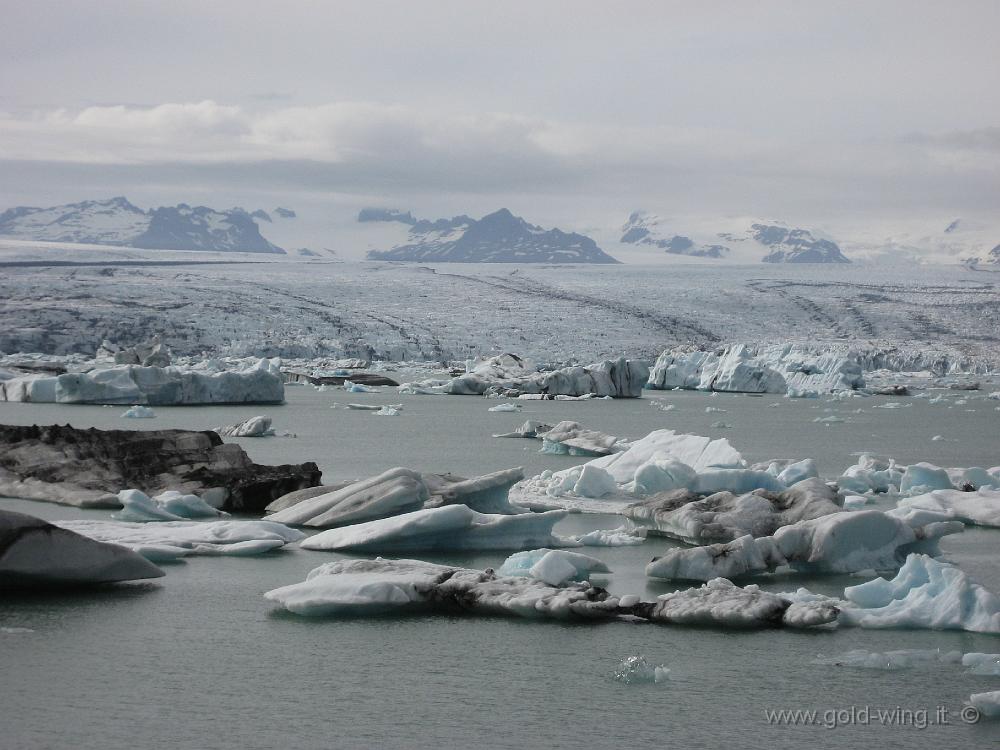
(199, 660)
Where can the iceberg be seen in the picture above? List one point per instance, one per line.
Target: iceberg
(978, 663)
(530, 429)
(663, 460)
(393, 492)
(509, 375)
(742, 368)
(835, 543)
(390, 493)
(980, 508)
(925, 593)
(138, 412)
(369, 587)
(635, 670)
(987, 704)
(721, 602)
(259, 426)
(570, 438)
(553, 566)
(259, 382)
(170, 540)
(350, 588)
(450, 527)
(723, 516)
(137, 506)
(34, 552)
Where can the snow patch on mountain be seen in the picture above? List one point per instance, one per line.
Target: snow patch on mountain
(499, 237)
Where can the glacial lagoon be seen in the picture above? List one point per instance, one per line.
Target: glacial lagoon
(199, 658)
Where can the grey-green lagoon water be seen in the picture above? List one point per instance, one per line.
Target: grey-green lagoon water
(199, 659)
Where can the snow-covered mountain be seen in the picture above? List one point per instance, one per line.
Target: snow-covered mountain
(739, 240)
(499, 237)
(645, 229)
(795, 245)
(119, 222)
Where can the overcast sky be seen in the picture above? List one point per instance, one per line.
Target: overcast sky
(797, 110)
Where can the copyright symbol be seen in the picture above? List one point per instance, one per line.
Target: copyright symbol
(970, 714)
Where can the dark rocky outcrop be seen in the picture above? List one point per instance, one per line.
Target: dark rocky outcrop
(89, 467)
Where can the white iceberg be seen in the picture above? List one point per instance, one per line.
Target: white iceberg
(259, 426)
(259, 382)
(390, 493)
(34, 552)
(835, 543)
(171, 540)
(138, 412)
(171, 505)
(981, 508)
(553, 566)
(509, 375)
(450, 527)
(742, 368)
(663, 460)
(925, 593)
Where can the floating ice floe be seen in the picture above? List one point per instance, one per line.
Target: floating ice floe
(388, 411)
(872, 474)
(449, 527)
(390, 493)
(985, 664)
(892, 660)
(635, 670)
(394, 492)
(259, 426)
(34, 552)
(170, 540)
(980, 508)
(138, 412)
(987, 704)
(723, 516)
(834, 543)
(137, 506)
(925, 593)
(553, 566)
(260, 382)
(507, 407)
(663, 460)
(623, 536)
(510, 375)
(742, 368)
(368, 587)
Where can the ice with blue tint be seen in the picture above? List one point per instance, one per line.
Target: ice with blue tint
(980, 508)
(170, 540)
(635, 670)
(171, 505)
(450, 527)
(554, 566)
(834, 543)
(138, 412)
(925, 593)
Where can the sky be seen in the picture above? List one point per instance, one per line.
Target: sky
(566, 112)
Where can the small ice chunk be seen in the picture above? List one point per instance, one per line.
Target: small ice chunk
(505, 407)
(988, 704)
(635, 670)
(138, 412)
